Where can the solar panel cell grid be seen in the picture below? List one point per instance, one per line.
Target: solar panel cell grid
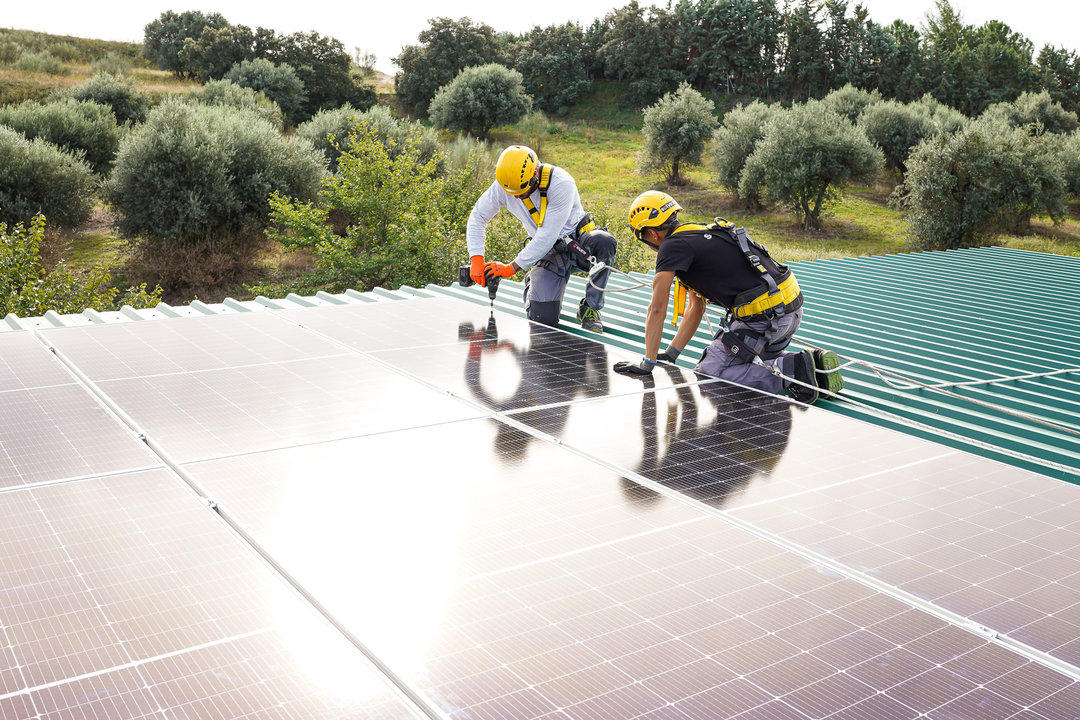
(146, 349)
(57, 432)
(226, 411)
(125, 597)
(689, 615)
(26, 363)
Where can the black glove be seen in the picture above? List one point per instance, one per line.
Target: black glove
(669, 355)
(639, 368)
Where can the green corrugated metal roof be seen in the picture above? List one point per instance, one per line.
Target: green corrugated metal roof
(937, 317)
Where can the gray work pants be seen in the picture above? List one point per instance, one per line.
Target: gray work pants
(716, 361)
(545, 284)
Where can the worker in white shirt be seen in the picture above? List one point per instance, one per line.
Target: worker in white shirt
(562, 236)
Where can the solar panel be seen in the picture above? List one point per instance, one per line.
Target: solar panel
(52, 429)
(517, 579)
(148, 349)
(515, 532)
(25, 363)
(210, 399)
(987, 541)
(125, 597)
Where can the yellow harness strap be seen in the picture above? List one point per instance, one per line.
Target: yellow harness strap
(786, 294)
(679, 290)
(545, 180)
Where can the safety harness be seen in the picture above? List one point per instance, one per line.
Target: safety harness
(545, 181)
(586, 224)
(782, 294)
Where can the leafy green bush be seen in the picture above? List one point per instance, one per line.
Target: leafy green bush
(127, 102)
(198, 177)
(64, 51)
(278, 82)
(229, 94)
(41, 62)
(38, 177)
(28, 289)
(675, 131)
(84, 128)
(10, 51)
(382, 221)
(896, 128)
(111, 64)
(850, 101)
(480, 98)
(945, 118)
(535, 127)
(736, 139)
(341, 123)
(1036, 110)
(1068, 149)
(962, 188)
(806, 154)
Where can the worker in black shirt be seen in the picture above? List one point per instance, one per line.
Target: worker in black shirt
(720, 264)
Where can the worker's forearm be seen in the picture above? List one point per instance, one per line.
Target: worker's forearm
(654, 330)
(689, 325)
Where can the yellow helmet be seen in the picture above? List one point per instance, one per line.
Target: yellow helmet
(515, 169)
(651, 208)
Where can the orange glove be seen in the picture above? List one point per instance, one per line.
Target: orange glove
(497, 269)
(476, 269)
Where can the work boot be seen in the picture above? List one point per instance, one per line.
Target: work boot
(589, 318)
(828, 376)
(805, 390)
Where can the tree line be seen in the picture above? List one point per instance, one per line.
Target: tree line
(305, 72)
(748, 49)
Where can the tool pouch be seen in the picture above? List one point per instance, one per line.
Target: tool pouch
(743, 345)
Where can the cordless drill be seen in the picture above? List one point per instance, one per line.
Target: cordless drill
(465, 280)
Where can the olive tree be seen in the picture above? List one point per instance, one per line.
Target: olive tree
(331, 132)
(85, 128)
(962, 188)
(193, 182)
(480, 98)
(38, 177)
(735, 140)
(896, 128)
(806, 155)
(129, 104)
(851, 101)
(676, 129)
(278, 82)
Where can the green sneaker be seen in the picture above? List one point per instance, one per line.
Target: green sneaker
(589, 318)
(828, 376)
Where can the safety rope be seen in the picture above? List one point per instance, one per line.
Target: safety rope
(913, 384)
(935, 431)
(598, 266)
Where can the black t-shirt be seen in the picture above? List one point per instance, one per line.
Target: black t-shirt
(708, 263)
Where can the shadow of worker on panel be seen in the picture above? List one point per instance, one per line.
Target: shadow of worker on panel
(554, 369)
(710, 461)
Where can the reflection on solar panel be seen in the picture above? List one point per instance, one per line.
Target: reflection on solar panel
(480, 521)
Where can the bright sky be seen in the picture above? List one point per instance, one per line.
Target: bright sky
(384, 27)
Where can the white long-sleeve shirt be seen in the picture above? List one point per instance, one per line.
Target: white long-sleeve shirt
(563, 214)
